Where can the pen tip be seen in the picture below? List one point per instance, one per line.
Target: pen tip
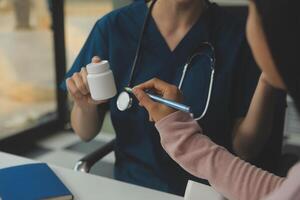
(128, 89)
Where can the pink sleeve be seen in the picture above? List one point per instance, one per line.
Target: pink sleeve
(234, 178)
(290, 189)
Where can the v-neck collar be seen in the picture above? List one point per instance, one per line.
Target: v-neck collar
(197, 34)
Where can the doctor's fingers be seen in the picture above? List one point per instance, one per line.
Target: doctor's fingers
(78, 80)
(96, 59)
(73, 90)
(83, 73)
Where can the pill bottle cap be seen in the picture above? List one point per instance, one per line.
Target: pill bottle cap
(95, 68)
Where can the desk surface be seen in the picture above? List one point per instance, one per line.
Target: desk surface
(90, 187)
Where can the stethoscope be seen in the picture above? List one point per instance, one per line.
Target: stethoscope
(124, 100)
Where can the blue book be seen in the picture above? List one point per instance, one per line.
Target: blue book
(32, 182)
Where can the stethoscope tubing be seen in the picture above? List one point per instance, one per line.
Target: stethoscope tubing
(208, 96)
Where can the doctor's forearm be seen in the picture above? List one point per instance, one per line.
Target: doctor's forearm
(86, 122)
(254, 130)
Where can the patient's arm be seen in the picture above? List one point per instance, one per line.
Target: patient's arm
(234, 178)
(251, 133)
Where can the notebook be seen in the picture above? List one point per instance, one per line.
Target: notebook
(32, 182)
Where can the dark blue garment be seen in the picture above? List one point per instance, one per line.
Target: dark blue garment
(140, 159)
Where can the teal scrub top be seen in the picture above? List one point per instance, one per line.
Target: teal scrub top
(140, 158)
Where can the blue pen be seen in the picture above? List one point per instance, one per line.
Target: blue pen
(172, 104)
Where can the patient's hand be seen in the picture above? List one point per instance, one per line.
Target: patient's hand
(157, 111)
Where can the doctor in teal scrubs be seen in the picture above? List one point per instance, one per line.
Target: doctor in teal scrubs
(173, 32)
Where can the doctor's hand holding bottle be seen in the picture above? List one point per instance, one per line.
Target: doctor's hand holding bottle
(77, 86)
(85, 115)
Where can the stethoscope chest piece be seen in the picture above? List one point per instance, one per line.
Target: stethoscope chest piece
(124, 101)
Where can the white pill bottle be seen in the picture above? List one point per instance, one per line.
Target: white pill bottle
(101, 81)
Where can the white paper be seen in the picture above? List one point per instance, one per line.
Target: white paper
(199, 191)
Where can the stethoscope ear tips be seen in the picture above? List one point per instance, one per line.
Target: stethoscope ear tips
(124, 101)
